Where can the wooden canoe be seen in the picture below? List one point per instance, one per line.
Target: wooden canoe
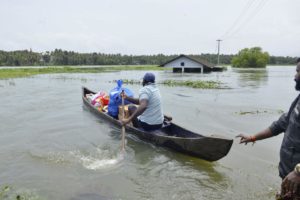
(172, 136)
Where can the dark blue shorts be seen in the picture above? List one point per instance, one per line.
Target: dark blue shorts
(149, 127)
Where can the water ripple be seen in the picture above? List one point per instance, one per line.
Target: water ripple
(101, 159)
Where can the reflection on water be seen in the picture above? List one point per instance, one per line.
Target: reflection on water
(173, 175)
(253, 78)
(54, 148)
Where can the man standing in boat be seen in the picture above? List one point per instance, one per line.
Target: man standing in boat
(148, 115)
(289, 166)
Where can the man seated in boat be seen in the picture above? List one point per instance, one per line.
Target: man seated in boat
(148, 115)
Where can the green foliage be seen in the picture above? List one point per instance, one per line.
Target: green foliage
(19, 58)
(3, 191)
(260, 112)
(251, 58)
(281, 60)
(193, 84)
(11, 193)
(61, 57)
(25, 72)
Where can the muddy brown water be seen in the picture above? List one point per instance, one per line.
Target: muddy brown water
(51, 147)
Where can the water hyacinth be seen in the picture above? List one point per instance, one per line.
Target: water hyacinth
(188, 83)
(194, 84)
(260, 112)
(129, 81)
(11, 193)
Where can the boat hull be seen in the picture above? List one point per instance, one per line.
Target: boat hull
(172, 136)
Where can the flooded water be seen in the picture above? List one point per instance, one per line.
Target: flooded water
(51, 147)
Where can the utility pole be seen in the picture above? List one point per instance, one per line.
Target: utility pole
(218, 51)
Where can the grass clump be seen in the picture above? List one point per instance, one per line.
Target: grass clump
(3, 191)
(11, 193)
(260, 112)
(194, 84)
(130, 81)
(172, 83)
(26, 72)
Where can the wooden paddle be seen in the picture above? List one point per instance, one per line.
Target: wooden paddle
(123, 126)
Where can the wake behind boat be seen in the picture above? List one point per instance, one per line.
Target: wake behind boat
(172, 136)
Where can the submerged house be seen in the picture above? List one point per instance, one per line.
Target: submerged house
(188, 64)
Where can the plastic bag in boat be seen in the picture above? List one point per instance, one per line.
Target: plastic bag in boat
(115, 99)
(101, 98)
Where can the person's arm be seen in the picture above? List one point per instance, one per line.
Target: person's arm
(137, 112)
(258, 136)
(131, 99)
(277, 127)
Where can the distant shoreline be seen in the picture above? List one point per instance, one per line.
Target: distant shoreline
(25, 71)
(59, 57)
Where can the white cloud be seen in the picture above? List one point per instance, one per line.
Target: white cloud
(148, 26)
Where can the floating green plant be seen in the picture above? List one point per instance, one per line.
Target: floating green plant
(193, 84)
(260, 112)
(130, 81)
(25, 72)
(3, 191)
(8, 192)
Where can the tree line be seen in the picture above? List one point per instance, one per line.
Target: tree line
(62, 57)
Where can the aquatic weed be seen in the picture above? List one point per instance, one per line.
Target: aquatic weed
(188, 83)
(259, 112)
(194, 84)
(9, 193)
(3, 191)
(26, 72)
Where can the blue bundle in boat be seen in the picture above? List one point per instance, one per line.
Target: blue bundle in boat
(115, 99)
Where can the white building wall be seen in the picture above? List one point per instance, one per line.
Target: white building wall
(188, 63)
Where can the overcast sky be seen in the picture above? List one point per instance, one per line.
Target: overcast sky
(151, 26)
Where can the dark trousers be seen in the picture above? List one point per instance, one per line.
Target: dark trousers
(140, 124)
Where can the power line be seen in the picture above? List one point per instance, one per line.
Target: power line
(237, 20)
(254, 12)
(244, 18)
